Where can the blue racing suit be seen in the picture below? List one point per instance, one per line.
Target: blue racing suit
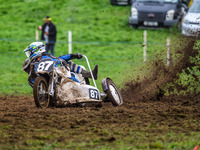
(73, 67)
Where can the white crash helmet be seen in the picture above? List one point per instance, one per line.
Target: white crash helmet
(35, 49)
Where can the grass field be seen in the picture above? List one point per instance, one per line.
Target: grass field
(100, 31)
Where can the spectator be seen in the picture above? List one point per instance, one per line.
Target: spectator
(48, 34)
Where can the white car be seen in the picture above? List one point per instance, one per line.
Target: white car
(191, 22)
(163, 13)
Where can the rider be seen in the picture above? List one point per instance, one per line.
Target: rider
(36, 51)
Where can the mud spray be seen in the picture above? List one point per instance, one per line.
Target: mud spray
(151, 87)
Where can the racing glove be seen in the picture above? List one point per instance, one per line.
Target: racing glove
(77, 56)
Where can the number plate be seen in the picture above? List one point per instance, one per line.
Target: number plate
(94, 94)
(45, 65)
(150, 23)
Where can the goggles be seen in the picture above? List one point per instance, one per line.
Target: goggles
(27, 52)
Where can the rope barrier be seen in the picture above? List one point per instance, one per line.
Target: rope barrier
(88, 42)
(89, 56)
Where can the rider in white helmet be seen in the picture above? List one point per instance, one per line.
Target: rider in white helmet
(36, 51)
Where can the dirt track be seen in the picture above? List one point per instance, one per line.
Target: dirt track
(21, 122)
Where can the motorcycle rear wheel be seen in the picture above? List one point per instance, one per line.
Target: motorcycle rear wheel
(113, 93)
(40, 92)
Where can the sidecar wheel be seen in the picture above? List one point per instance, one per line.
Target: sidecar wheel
(113, 93)
(40, 92)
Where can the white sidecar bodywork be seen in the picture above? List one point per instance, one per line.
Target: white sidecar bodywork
(71, 92)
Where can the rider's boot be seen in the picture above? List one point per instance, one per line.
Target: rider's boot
(86, 74)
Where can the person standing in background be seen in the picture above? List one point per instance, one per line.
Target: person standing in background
(48, 34)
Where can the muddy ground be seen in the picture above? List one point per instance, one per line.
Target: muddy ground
(147, 120)
(138, 123)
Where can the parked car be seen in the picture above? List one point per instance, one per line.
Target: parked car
(191, 22)
(120, 2)
(156, 12)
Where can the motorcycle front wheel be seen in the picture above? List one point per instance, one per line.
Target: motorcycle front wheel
(40, 92)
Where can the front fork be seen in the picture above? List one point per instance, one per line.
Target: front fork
(51, 91)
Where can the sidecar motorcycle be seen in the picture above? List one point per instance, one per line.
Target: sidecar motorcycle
(53, 87)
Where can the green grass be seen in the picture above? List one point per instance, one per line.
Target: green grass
(188, 80)
(100, 31)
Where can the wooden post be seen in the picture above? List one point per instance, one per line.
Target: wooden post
(168, 52)
(145, 46)
(36, 35)
(69, 42)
